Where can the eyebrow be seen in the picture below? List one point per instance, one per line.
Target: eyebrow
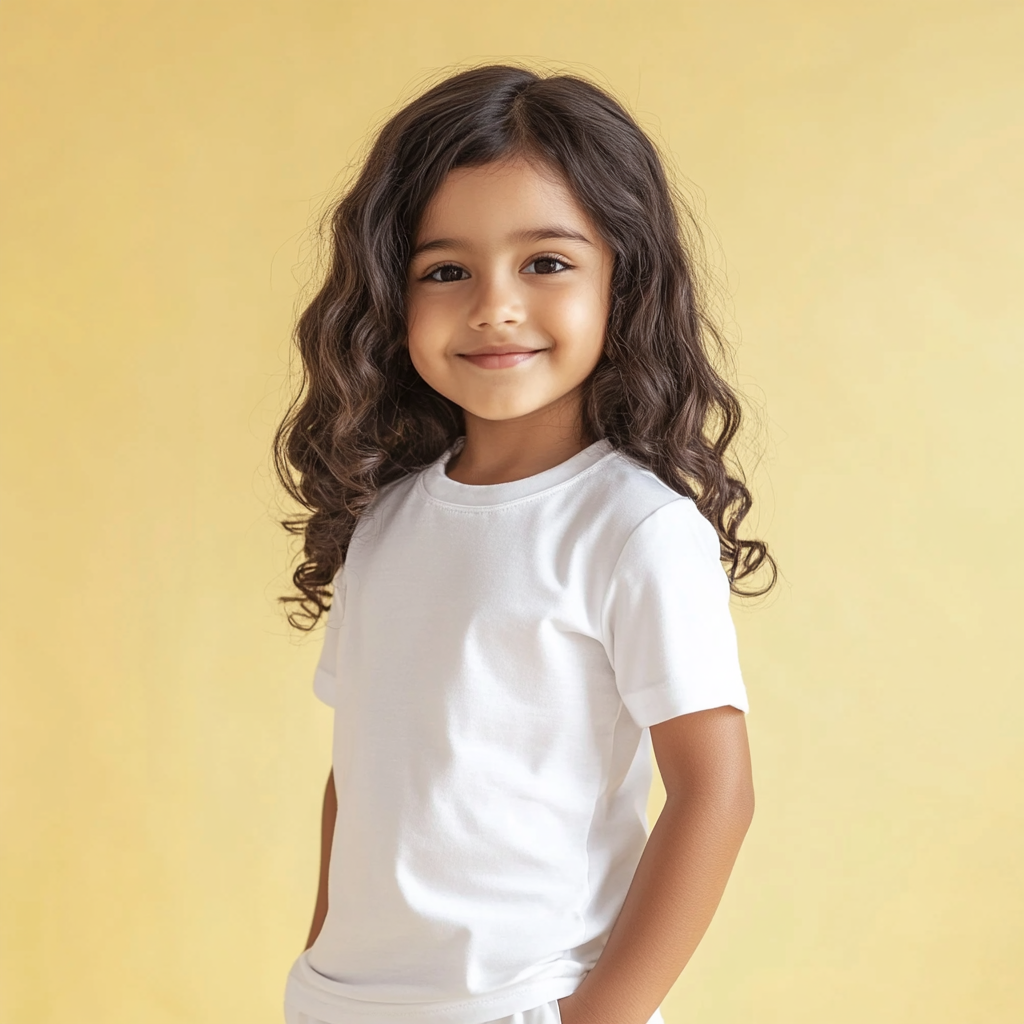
(544, 234)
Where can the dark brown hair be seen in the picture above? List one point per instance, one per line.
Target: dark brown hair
(364, 417)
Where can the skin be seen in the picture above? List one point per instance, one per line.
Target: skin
(505, 259)
(704, 761)
(489, 274)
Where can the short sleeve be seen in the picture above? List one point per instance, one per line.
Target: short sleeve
(325, 676)
(668, 630)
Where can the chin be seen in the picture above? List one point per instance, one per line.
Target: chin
(498, 413)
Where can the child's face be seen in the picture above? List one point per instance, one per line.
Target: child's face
(508, 291)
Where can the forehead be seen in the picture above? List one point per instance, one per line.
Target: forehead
(497, 197)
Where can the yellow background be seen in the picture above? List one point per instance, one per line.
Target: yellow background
(859, 167)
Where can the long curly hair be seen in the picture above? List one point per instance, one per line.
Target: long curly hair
(363, 417)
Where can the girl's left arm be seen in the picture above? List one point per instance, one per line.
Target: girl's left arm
(704, 762)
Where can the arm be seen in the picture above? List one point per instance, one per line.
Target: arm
(704, 761)
(327, 819)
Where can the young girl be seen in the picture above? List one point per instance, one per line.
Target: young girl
(511, 445)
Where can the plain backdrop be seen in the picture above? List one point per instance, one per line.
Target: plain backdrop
(858, 171)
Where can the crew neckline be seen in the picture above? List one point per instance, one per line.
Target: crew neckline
(441, 487)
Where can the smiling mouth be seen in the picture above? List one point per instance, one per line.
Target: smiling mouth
(500, 360)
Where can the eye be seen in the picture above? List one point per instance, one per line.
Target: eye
(446, 273)
(548, 265)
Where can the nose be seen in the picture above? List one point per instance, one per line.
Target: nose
(497, 302)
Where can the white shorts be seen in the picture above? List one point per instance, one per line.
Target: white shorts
(546, 1013)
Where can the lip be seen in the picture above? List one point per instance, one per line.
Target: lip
(500, 358)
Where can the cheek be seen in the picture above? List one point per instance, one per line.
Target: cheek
(427, 337)
(577, 320)
(422, 330)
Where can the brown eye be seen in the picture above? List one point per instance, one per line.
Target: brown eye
(548, 265)
(449, 272)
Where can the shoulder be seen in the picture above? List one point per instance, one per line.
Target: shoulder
(394, 491)
(675, 531)
(653, 521)
(626, 520)
(375, 517)
(632, 494)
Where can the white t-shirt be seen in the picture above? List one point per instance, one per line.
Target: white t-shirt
(495, 655)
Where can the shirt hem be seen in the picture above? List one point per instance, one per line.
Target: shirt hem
(309, 992)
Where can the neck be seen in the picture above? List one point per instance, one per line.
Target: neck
(500, 451)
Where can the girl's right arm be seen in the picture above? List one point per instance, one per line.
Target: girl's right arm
(327, 819)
